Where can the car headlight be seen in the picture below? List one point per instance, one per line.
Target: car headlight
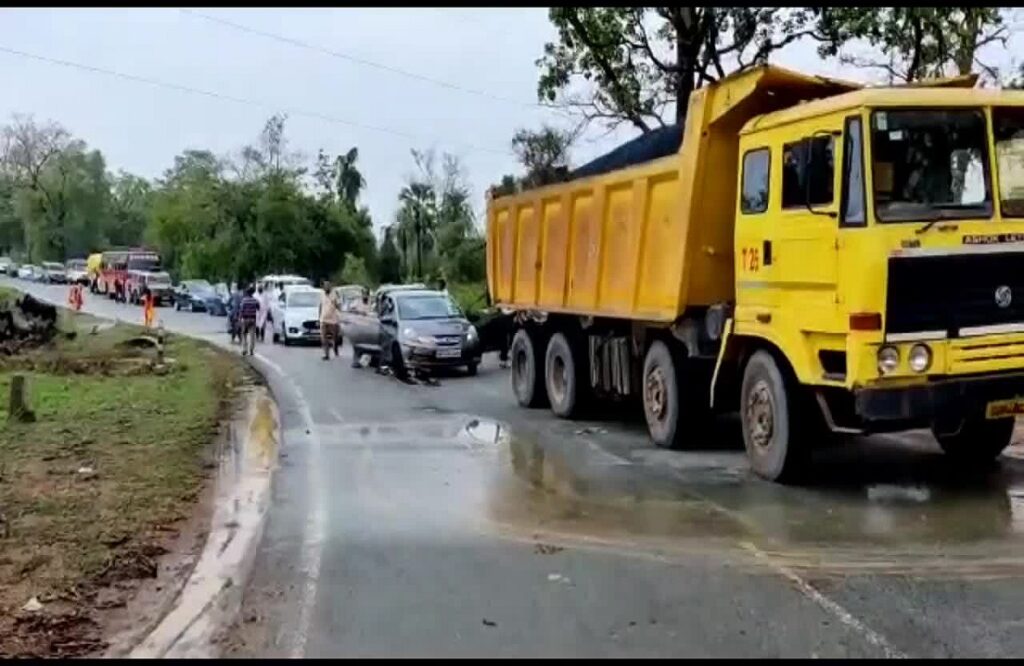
(920, 358)
(411, 336)
(471, 334)
(888, 360)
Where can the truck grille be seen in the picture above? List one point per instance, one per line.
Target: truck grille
(955, 295)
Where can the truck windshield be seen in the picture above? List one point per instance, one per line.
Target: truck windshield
(1009, 139)
(929, 164)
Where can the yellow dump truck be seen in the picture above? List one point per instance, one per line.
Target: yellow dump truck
(820, 255)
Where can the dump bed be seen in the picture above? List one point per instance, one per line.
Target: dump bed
(648, 241)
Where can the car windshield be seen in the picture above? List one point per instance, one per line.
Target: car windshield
(1008, 131)
(53, 266)
(198, 285)
(76, 265)
(432, 306)
(930, 164)
(303, 299)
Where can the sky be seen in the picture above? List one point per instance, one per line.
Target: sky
(333, 103)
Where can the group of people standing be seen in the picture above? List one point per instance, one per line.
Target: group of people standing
(248, 312)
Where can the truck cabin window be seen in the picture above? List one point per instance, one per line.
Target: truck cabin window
(929, 164)
(754, 197)
(807, 172)
(1009, 139)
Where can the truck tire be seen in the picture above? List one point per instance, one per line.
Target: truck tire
(527, 373)
(565, 379)
(774, 432)
(977, 441)
(675, 413)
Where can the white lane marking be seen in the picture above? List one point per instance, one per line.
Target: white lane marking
(313, 534)
(840, 613)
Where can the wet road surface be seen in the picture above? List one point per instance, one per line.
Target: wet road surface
(413, 520)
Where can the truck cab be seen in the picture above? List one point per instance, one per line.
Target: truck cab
(879, 243)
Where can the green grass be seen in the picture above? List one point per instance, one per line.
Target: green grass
(146, 436)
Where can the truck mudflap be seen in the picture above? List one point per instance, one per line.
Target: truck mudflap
(996, 396)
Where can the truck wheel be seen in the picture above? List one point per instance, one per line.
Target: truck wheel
(563, 378)
(675, 414)
(773, 430)
(978, 440)
(527, 375)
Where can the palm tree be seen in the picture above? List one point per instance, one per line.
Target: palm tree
(350, 181)
(419, 210)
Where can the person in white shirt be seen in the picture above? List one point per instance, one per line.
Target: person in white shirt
(330, 321)
(263, 296)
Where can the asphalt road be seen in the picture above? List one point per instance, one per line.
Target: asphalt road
(433, 521)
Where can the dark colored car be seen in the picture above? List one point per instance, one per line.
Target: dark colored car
(217, 300)
(422, 330)
(191, 295)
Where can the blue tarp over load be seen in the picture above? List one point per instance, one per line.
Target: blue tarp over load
(646, 147)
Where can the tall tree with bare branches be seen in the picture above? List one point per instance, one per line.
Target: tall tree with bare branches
(635, 63)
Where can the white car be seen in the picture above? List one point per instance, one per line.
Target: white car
(296, 315)
(270, 281)
(30, 272)
(77, 272)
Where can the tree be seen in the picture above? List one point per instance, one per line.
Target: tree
(349, 181)
(130, 202)
(638, 61)
(544, 154)
(912, 43)
(390, 271)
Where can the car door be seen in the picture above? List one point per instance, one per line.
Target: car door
(387, 328)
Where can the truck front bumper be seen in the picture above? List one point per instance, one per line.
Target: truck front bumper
(945, 398)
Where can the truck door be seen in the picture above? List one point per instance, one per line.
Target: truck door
(788, 271)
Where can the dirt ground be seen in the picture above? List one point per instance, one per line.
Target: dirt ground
(99, 493)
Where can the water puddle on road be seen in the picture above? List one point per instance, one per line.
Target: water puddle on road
(879, 506)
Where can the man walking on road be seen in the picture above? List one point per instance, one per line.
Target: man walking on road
(330, 319)
(248, 310)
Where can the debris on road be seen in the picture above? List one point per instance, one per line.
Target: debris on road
(26, 323)
(547, 549)
(33, 605)
(489, 623)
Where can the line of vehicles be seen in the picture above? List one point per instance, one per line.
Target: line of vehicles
(410, 328)
(51, 272)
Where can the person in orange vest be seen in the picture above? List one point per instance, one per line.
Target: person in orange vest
(75, 298)
(148, 310)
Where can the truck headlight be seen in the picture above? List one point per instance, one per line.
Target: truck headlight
(888, 360)
(920, 358)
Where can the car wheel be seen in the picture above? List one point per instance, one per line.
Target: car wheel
(284, 337)
(471, 369)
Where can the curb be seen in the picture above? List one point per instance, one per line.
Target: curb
(213, 594)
